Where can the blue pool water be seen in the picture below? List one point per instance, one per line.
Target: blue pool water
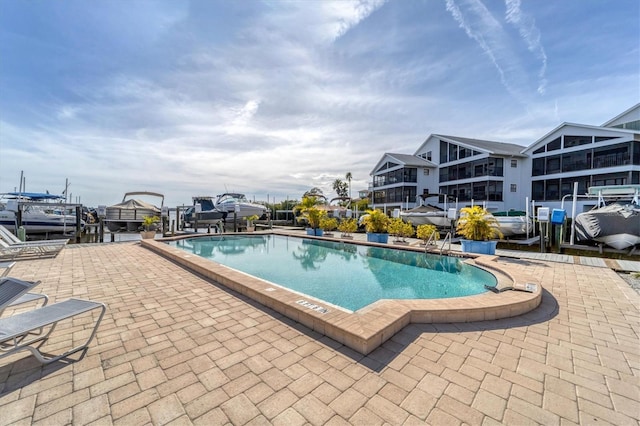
(347, 275)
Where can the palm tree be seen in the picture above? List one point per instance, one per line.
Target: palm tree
(340, 187)
(348, 177)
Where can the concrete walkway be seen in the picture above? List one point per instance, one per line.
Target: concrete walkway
(175, 348)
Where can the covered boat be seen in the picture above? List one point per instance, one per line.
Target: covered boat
(513, 222)
(227, 202)
(427, 214)
(616, 225)
(129, 214)
(207, 214)
(615, 221)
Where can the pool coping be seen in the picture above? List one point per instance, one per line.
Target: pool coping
(369, 327)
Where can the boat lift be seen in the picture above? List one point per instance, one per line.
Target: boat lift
(603, 193)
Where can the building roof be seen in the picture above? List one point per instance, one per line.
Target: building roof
(403, 160)
(411, 160)
(632, 113)
(492, 147)
(564, 127)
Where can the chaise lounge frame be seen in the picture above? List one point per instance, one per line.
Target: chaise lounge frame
(14, 292)
(17, 330)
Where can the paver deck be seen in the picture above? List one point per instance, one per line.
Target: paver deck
(175, 348)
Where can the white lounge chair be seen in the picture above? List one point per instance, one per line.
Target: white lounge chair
(14, 292)
(6, 267)
(30, 250)
(16, 331)
(11, 239)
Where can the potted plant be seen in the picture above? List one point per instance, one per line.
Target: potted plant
(376, 224)
(347, 227)
(314, 215)
(424, 232)
(149, 225)
(250, 219)
(328, 225)
(311, 214)
(478, 226)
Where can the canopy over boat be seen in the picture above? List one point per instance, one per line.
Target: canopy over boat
(34, 196)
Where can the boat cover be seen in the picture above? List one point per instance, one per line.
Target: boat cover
(424, 209)
(608, 220)
(134, 205)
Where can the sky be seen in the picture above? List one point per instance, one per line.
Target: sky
(271, 98)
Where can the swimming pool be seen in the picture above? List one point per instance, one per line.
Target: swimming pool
(343, 274)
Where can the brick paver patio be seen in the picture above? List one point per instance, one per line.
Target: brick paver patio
(175, 348)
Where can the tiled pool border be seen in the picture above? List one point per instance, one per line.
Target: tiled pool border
(367, 328)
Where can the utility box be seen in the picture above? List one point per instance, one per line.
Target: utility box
(558, 216)
(543, 214)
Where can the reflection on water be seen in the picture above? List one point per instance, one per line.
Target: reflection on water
(227, 245)
(344, 274)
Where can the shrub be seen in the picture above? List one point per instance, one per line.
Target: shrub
(328, 223)
(347, 226)
(425, 231)
(477, 224)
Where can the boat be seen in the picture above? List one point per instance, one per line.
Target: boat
(228, 201)
(513, 222)
(207, 214)
(615, 221)
(40, 213)
(616, 225)
(129, 214)
(427, 214)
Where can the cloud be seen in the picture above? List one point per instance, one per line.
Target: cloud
(278, 97)
(480, 25)
(527, 27)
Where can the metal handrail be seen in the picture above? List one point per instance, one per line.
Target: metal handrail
(432, 237)
(446, 237)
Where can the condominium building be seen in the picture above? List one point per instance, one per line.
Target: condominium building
(502, 176)
(587, 155)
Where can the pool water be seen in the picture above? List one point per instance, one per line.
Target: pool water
(347, 275)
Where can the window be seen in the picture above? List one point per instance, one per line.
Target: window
(576, 161)
(612, 156)
(553, 145)
(570, 141)
(537, 190)
(480, 190)
(553, 164)
(453, 152)
(514, 164)
(538, 166)
(514, 187)
(552, 190)
(539, 150)
(495, 191)
(429, 155)
(444, 174)
(495, 167)
(425, 172)
(604, 138)
(444, 149)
